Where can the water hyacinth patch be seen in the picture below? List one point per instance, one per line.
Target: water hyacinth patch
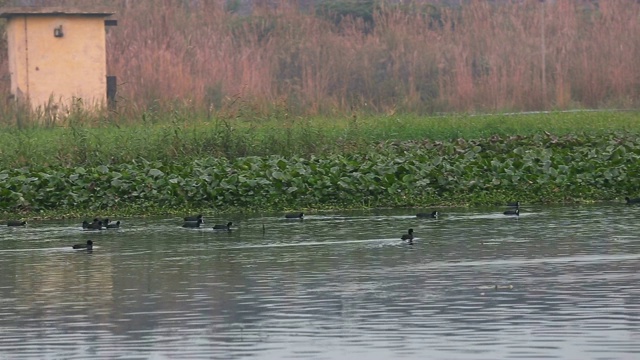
(538, 168)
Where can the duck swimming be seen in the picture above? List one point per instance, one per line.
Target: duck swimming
(631, 201)
(95, 225)
(87, 246)
(408, 237)
(432, 215)
(223, 227)
(294, 215)
(515, 212)
(194, 218)
(192, 224)
(111, 225)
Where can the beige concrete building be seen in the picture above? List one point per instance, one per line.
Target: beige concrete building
(57, 55)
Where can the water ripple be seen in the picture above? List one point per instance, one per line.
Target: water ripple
(559, 282)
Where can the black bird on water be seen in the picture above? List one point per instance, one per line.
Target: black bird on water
(294, 215)
(408, 237)
(432, 215)
(87, 246)
(194, 218)
(223, 227)
(111, 225)
(515, 212)
(631, 201)
(95, 225)
(192, 224)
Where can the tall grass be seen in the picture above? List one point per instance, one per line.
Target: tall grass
(178, 138)
(417, 58)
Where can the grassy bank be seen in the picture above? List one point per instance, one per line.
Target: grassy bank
(182, 136)
(319, 164)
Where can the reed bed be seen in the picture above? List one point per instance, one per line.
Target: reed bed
(409, 57)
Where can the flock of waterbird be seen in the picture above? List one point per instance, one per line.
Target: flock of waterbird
(514, 210)
(193, 221)
(196, 221)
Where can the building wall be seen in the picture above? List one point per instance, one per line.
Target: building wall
(45, 67)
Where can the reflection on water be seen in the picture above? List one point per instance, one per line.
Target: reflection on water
(560, 282)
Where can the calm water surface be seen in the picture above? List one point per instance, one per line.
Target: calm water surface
(334, 286)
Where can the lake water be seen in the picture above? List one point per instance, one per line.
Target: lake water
(334, 286)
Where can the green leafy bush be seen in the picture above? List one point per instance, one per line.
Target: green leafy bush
(539, 168)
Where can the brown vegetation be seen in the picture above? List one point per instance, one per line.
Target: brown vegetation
(416, 58)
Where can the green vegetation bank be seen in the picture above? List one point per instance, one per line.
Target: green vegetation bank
(226, 166)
